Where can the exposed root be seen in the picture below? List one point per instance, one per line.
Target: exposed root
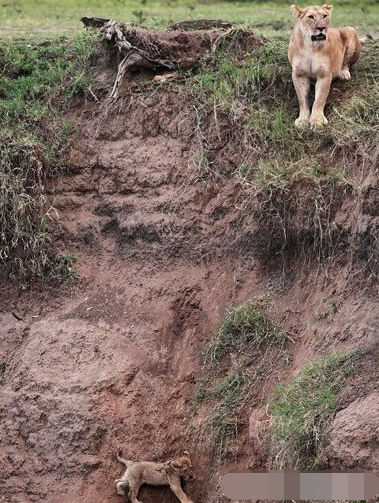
(172, 50)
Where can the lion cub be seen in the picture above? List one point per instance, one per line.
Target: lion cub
(319, 53)
(170, 473)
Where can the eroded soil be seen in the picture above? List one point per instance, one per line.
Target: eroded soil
(114, 360)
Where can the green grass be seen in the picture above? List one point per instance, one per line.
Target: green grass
(288, 176)
(269, 18)
(64, 268)
(224, 420)
(241, 326)
(39, 79)
(255, 343)
(256, 90)
(301, 411)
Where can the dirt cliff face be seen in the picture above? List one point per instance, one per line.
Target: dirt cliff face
(354, 434)
(114, 360)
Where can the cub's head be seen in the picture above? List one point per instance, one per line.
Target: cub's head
(314, 21)
(182, 466)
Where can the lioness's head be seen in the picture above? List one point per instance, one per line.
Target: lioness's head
(314, 21)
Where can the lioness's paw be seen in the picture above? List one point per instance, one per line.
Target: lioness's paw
(318, 121)
(301, 123)
(344, 74)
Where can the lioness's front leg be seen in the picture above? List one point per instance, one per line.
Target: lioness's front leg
(321, 93)
(302, 85)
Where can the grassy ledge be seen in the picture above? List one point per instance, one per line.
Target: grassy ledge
(244, 103)
(38, 81)
(254, 345)
(294, 181)
(301, 410)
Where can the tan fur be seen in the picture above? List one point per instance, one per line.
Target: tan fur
(156, 474)
(319, 60)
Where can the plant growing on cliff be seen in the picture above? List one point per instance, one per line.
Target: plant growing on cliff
(244, 325)
(253, 345)
(301, 410)
(38, 80)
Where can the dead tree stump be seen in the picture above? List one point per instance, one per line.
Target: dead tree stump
(175, 49)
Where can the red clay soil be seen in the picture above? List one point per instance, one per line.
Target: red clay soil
(114, 361)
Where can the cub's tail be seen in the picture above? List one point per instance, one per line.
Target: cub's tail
(122, 460)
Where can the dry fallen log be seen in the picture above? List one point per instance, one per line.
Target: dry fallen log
(93, 22)
(170, 50)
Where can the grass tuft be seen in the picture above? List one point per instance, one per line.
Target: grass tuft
(254, 345)
(241, 326)
(301, 410)
(224, 421)
(296, 203)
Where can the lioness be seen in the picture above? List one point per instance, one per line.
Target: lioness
(318, 52)
(138, 473)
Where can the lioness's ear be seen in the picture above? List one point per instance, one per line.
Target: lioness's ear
(296, 11)
(328, 7)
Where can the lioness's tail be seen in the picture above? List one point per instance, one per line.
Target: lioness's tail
(122, 460)
(366, 39)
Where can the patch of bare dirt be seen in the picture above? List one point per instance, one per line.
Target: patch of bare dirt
(114, 361)
(354, 436)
